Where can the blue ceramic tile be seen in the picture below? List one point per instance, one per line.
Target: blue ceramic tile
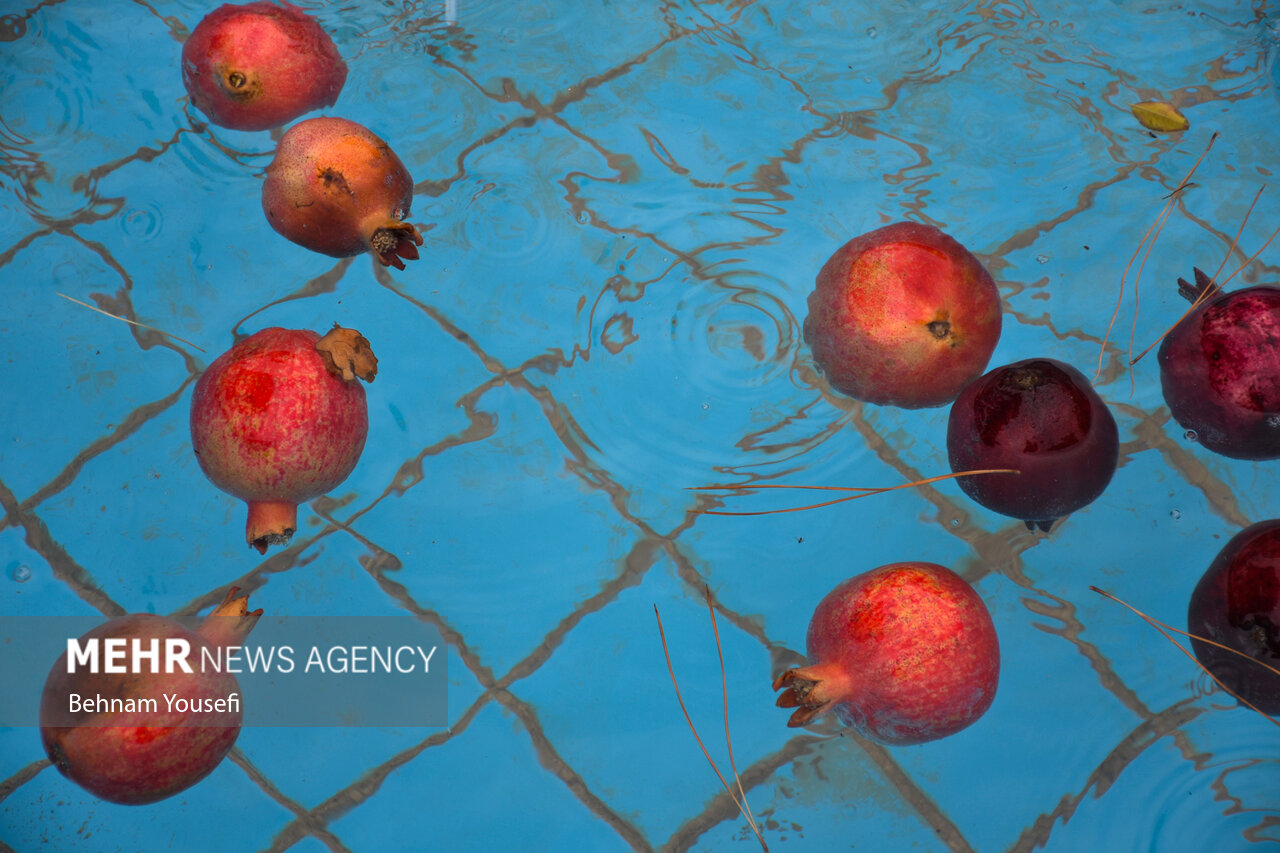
(624, 209)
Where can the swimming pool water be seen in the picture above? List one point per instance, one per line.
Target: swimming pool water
(624, 207)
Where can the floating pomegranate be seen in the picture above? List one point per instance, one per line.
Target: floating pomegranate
(905, 653)
(279, 419)
(1040, 417)
(1220, 370)
(337, 189)
(260, 65)
(903, 316)
(1237, 603)
(144, 734)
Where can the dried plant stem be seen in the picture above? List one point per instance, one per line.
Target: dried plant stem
(739, 799)
(862, 490)
(1164, 629)
(1148, 240)
(1214, 287)
(130, 322)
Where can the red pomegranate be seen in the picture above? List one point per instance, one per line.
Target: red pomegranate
(144, 734)
(1220, 370)
(260, 65)
(336, 188)
(280, 418)
(905, 653)
(903, 316)
(1042, 418)
(1236, 603)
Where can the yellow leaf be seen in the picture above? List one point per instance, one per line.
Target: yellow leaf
(1157, 115)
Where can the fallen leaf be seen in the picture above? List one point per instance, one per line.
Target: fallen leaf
(347, 354)
(1159, 116)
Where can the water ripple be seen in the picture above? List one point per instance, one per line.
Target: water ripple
(506, 225)
(1211, 784)
(142, 222)
(46, 110)
(746, 330)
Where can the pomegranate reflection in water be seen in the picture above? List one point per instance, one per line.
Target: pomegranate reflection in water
(903, 316)
(336, 188)
(280, 418)
(1237, 603)
(905, 653)
(1040, 417)
(260, 65)
(1220, 370)
(135, 757)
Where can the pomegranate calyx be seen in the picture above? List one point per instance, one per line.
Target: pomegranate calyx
(239, 86)
(1193, 292)
(804, 693)
(270, 523)
(393, 240)
(348, 355)
(940, 329)
(231, 621)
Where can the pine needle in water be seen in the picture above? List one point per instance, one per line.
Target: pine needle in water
(739, 799)
(1164, 628)
(1148, 240)
(131, 322)
(864, 491)
(1214, 286)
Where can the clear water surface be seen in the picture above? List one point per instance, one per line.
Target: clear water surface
(625, 205)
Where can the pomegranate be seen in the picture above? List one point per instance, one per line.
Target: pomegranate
(903, 316)
(1042, 418)
(279, 419)
(905, 653)
(1220, 370)
(260, 65)
(146, 733)
(1237, 603)
(336, 188)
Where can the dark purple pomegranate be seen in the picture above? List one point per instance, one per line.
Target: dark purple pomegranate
(1040, 417)
(1237, 603)
(1220, 370)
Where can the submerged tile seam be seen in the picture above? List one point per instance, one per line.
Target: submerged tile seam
(551, 760)
(722, 808)
(933, 816)
(1148, 732)
(370, 781)
(325, 282)
(315, 829)
(23, 242)
(22, 777)
(400, 596)
(122, 304)
(144, 154)
(1217, 494)
(636, 566)
(548, 756)
(64, 566)
(131, 424)
(537, 110)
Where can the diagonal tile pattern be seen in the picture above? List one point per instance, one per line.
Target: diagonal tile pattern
(624, 206)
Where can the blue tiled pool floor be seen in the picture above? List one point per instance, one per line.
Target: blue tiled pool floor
(624, 207)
